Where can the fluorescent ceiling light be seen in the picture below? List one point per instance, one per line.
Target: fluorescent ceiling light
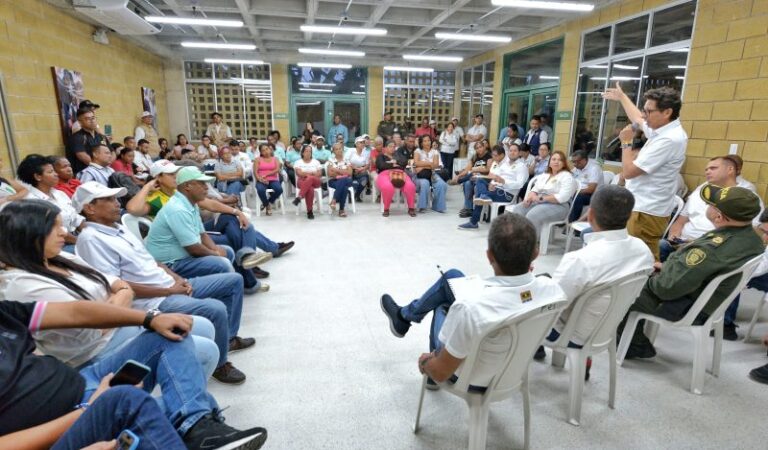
(676, 67)
(681, 50)
(597, 67)
(218, 45)
(535, 4)
(250, 81)
(315, 90)
(679, 78)
(307, 103)
(328, 65)
(473, 37)
(358, 93)
(325, 51)
(307, 83)
(255, 62)
(621, 66)
(409, 69)
(343, 30)
(433, 58)
(548, 77)
(194, 21)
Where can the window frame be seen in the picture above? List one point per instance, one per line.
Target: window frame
(433, 88)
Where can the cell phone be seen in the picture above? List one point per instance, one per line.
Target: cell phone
(108, 129)
(127, 440)
(131, 373)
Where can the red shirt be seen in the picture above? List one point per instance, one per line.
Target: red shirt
(120, 166)
(69, 187)
(429, 131)
(374, 155)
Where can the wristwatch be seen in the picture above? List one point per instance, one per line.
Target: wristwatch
(151, 314)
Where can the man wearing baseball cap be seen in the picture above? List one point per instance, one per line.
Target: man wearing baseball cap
(320, 152)
(111, 248)
(685, 274)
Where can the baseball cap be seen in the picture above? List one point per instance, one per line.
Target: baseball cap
(359, 139)
(432, 122)
(365, 136)
(454, 118)
(191, 174)
(320, 137)
(162, 166)
(146, 114)
(735, 202)
(88, 104)
(91, 190)
(388, 112)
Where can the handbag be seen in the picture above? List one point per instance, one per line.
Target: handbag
(397, 177)
(425, 174)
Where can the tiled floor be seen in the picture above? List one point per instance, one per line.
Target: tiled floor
(327, 373)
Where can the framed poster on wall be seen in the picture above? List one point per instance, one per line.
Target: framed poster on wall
(69, 94)
(148, 103)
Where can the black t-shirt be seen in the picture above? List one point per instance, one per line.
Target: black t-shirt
(402, 155)
(33, 389)
(481, 161)
(80, 142)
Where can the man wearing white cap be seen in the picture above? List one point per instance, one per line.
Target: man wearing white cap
(146, 130)
(113, 250)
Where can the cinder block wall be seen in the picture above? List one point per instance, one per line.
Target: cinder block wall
(34, 36)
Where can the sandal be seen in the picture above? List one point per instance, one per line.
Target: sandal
(332, 205)
(342, 213)
(412, 212)
(269, 210)
(385, 213)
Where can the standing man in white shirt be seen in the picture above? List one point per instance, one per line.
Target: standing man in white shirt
(146, 130)
(218, 131)
(475, 134)
(482, 304)
(589, 175)
(652, 176)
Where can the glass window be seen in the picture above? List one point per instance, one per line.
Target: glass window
(628, 73)
(665, 69)
(316, 80)
(589, 108)
(488, 75)
(596, 44)
(630, 35)
(225, 72)
(420, 95)
(395, 77)
(673, 24)
(467, 77)
(525, 68)
(194, 69)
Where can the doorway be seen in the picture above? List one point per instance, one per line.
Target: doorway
(529, 103)
(321, 110)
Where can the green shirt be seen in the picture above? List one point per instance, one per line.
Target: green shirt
(687, 271)
(321, 154)
(176, 226)
(156, 201)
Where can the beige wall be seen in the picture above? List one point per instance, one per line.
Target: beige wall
(726, 92)
(34, 36)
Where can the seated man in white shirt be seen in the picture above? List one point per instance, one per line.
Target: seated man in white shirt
(589, 176)
(99, 170)
(113, 250)
(512, 247)
(610, 253)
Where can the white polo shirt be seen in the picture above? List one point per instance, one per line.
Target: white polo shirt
(515, 174)
(591, 173)
(608, 256)
(491, 301)
(661, 158)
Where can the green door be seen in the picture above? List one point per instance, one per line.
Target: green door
(529, 103)
(320, 110)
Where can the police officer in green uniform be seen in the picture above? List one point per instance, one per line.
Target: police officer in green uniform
(670, 293)
(386, 127)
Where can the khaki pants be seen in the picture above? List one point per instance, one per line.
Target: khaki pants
(648, 229)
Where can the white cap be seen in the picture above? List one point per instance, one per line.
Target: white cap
(365, 136)
(359, 139)
(146, 114)
(91, 190)
(162, 166)
(454, 118)
(432, 122)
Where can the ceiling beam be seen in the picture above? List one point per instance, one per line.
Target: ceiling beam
(376, 16)
(244, 7)
(309, 19)
(440, 18)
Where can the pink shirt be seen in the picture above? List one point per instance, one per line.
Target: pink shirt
(266, 167)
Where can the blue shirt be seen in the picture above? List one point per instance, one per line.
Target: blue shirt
(337, 130)
(291, 156)
(176, 226)
(321, 154)
(503, 134)
(96, 173)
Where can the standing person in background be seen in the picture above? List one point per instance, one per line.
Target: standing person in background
(147, 131)
(511, 123)
(536, 136)
(435, 131)
(338, 128)
(545, 126)
(449, 145)
(219, 132)
(425, 129)
(475, 134)
(406, 128)
(386, 127)
(87, 137)
(652, 176)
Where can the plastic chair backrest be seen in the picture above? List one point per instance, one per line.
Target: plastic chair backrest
(608, 177)
(744, 272)
(679, 204)
(526, 332)
(623, 292)
(132, 222)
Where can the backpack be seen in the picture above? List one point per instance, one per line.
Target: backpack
(123, 180)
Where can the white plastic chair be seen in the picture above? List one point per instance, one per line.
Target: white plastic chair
(526, 332)
(549, 228)
(132, 222)
(679, 204)
(280, 200)
(623, 293)
(758, 309)
(331, 191)
(608, 177)
(700, 332)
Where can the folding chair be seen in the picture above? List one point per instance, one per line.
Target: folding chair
(132, 222)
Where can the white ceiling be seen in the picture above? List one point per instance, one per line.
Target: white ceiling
(273, 26)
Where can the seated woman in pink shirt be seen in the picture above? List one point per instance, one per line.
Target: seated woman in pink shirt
(124, 163)
(392, 176)
(266, 169)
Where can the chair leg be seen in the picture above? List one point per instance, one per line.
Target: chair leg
(626, 337)
(558, 359)
(421, 402)
(717, 349)
(526, 413)
(755, 317)
(478, 423)
(612, 375)
(544, 239)
(651, 330)
(700, 337)
(352, 199)
(578, 366)
(568, 239)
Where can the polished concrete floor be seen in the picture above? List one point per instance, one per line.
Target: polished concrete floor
(326, 372)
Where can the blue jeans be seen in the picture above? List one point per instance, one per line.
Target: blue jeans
(174, 367)
(207, 265)
(439, 188)
(118, 409)
(437, 299)
(242, 240)
(760, 283)
(579, 202)
(359, 182)
(469, 189)
(497, 195)
(230, 187)
(276, 187)
(554, 335)
(218, 298)
(340, 190)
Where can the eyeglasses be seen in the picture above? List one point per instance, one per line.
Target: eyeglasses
(649, 111)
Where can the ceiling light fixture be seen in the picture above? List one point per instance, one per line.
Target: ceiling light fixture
(343, 30)
(622, 66)
(307, 83)
(325, 51)
(409, 69)
(679, 78)
(358, 93)
(315, 90)
(433, 58)
(473, 37)
(536, 4)
(194, 21)
(218, 45)
(675, 67)
(250, 81)
(548, 77)
(325, 65)
(682, 50)
(255, 62)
